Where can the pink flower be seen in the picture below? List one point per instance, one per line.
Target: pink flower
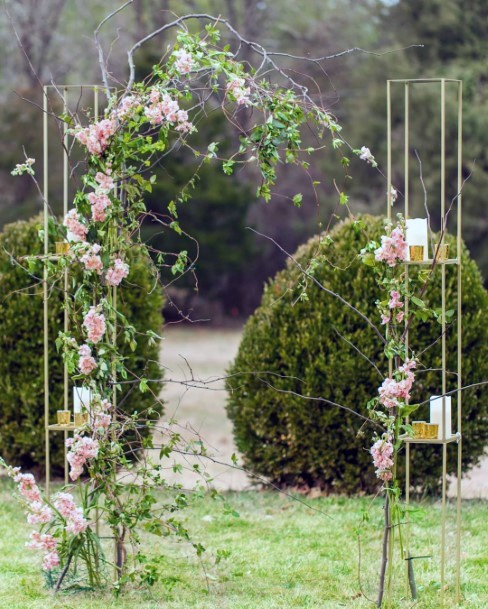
(65, 504)
(76, 230)
(385, 319)
(41, 541)
(393, 248)
(395, 301)
(238, 90)
(81, 450)
(40, 513)
(399, 316)
(91, 260)
(127, 105)
(28, 487)
(96, 137)
(51, 560)
(117, 272)
(105, 181)
(86, 363)
(99, 202)
(77, 523)
(94, 324)
(382, 452)
(184, 61)
(102, 421)
(365, 155)
(170, 108)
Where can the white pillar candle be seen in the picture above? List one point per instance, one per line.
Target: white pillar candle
(436, 406)
(81, 398)
(417, 234)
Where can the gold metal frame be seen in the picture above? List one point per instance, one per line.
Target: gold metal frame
(456, 438)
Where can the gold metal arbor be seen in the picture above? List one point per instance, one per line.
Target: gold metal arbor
(443, 88)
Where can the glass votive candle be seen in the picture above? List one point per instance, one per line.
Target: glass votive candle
(441, 252)
(62, 247)
(81, 418)
(63, 417)
(418, 429)
(416, 253)
(431, 431)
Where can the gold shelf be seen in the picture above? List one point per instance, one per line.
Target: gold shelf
(409, 440)
(56, 427)
(430, 262)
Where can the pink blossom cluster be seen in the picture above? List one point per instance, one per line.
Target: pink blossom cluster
(91, 260)
(48, 543)
(118, 271)
(393, 248)
(102, 421)
(392, 391)
(96, 137)
(126, 106)
(86, 362)
(66, 506)
(99, 202)
(184, 61)
(237, 88)
(365, 155)
(81, 448)
(76, 229)
(39, 512)
(94, 324)
(105, 180)
(394, 303)
(382, 452)
(164, 107)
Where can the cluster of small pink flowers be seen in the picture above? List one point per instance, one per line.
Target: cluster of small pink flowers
(91, 260)
(41, 541)
(99, 202)
(81, 449)
(184, 61)
(102, 421)
(26, 167)
(237, 88)
(50, 561)
(392, 392)
(94, 323)
(96, 137)
(118, 271)
(86, 363)
(27, 485)
(105, 180)
(66, 506)
(393, 248)
(164, 107)
(365, 155)
(40, 513)
(76, 229)
(382, 452)
(126, 106)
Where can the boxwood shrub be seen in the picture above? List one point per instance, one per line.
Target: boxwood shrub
(21, 347)
(293, 343)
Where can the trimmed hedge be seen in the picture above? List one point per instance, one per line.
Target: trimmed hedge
(294, 441)
(21, 347)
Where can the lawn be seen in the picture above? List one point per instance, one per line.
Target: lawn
(281, 554)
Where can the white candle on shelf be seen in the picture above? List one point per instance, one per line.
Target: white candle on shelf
(437, 403)
(81, 399)
(417, 234)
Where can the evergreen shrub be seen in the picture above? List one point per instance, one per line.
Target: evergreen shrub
(309, 346)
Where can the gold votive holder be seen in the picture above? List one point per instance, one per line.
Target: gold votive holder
(418, 429)
(63, 417)
(81, 418)
(441, 251)
(431, 431)
(416, 253)
(62, 247)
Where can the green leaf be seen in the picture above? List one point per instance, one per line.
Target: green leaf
(297, 199)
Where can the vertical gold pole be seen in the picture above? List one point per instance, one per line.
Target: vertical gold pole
(406, 213)
(443, 304)
(45, 290)
(459, 342)
(388, 138)
(65, 295)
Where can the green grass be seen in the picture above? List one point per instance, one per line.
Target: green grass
(282, 555)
